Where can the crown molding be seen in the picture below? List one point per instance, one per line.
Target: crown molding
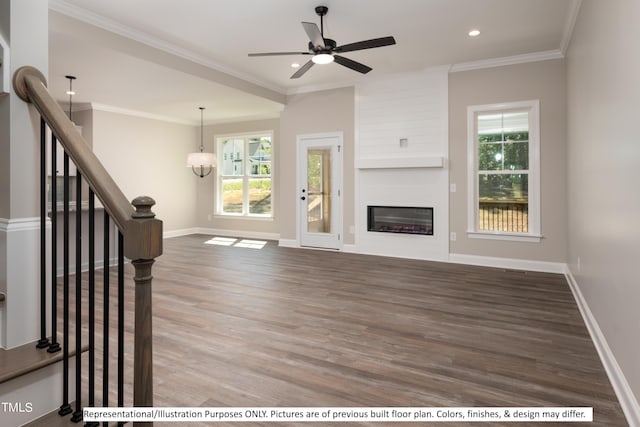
(145, 115)
(241, 119)
(507, 60)
(574, 9)
(115, 27)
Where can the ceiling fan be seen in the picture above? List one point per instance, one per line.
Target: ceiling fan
(325, 50)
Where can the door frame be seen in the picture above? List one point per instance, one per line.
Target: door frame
(332, 139)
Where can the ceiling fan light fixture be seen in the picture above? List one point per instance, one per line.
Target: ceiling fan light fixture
(322, 58)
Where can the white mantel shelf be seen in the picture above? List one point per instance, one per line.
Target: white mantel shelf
(400, 162)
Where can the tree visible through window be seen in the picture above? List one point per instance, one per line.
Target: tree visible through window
(244, 175)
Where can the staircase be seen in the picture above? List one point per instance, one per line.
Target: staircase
(82, 311)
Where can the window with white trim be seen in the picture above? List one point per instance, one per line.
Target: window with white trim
(503, 152)
(244, 175)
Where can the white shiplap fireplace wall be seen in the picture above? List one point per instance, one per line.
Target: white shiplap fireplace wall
(401, 159)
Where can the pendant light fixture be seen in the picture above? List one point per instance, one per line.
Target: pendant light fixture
(70, 92)
(201, 163)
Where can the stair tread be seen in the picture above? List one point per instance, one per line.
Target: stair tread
(27, 358)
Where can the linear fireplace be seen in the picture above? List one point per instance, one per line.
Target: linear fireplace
(396, 219)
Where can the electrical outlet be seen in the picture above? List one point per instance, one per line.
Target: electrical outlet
(452, 188)
(453, 236)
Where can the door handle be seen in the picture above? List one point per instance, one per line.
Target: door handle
(303, 198)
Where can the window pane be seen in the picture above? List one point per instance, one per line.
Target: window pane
(260, 196)
(515, 122)
(490, 156)
(232, 157)
(503, 204)
(259, 156)
(503, 187)
(516, 155)
(490, 126)
(232, 195)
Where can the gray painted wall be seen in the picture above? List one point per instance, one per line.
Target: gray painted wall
(148, 157)
(603, 66)
(309, 113)
(206, 186)
(539, 80)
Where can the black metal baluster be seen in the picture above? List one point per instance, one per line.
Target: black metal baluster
(92, 303)
(120, 321)
(55, 345)
(77, 415)
(105, 315)
(65, 408)
(44, 341)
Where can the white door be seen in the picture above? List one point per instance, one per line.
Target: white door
(319, 189)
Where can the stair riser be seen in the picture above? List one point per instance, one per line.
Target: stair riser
(40, 390)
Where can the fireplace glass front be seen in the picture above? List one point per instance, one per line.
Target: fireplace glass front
(396, 219)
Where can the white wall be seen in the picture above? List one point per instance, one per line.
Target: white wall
(603, 68)
(148, 157)
(412, 107)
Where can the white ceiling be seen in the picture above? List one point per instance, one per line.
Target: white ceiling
(167, 58)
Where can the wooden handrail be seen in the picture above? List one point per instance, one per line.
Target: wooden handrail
(142, 233)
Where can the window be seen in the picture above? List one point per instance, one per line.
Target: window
(244, 175)
(503, 171)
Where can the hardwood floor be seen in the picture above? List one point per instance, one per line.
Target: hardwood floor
(291, 327)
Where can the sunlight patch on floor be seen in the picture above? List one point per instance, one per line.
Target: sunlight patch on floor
(228, 241)
(221, 241)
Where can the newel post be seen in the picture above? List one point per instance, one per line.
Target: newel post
(143, 244)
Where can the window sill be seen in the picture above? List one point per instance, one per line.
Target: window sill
(516, 237)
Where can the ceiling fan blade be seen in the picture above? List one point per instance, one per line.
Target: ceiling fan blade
(302, 70)
(366, 44)
(279, 53)
(314, 34)
(349, 63)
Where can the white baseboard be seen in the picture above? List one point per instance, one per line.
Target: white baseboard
(288, 243)
(509, 263)
(179, 233)
(235, 233)
(351, 249)
(623, 391)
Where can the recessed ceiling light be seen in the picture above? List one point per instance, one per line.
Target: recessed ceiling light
(474, 33)
(295, 65)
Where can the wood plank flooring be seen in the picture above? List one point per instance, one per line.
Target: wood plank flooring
(293, 327)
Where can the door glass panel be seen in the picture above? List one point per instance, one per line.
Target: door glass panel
(319, 191)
